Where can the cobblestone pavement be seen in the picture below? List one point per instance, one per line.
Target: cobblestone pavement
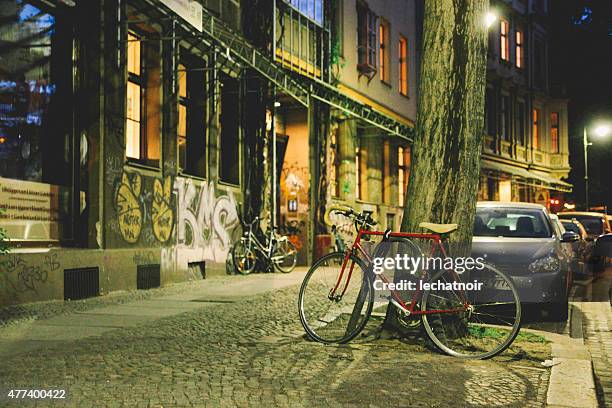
(252, 353)
(597, 331)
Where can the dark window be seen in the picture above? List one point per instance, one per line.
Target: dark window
(554, 132)
(191, 129)
(505, 117)
(491, 113)
(520, 122)
(539, 63)
(366, 39)
(229, 157)
(142, 133)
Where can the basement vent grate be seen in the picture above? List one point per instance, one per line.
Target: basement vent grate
(148, 276)
(197, 269)
(81, 283)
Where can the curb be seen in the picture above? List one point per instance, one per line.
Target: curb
(571, 381)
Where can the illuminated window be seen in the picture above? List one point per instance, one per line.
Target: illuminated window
(403, 65)
(519, 49)
(536, 128)
(191, 130)
(554, 132)
(504, 43)
(142, 131)
(403, 173)
(387, 180)
(383, 38)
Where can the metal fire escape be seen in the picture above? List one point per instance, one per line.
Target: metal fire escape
(215, 33)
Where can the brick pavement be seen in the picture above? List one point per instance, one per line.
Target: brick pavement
(251, 353)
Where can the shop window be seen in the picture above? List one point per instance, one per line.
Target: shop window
(403, 66)
(403, 173)
(383, 39)
(366, 39)
(229, 149)
(504, 43)
(535, 129)
(37, 58)
(191, 129)
(143, 101)
(554, 132)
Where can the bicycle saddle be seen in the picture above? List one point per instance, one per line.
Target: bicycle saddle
(438, 228)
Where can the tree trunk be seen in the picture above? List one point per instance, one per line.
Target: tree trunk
(445, 170)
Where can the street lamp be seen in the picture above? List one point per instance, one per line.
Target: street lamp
(601, 131)
(490, 18)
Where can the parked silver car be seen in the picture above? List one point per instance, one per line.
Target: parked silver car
(521, 240)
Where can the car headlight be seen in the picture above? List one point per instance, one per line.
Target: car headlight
(546, 264)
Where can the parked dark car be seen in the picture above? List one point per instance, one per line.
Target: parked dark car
(602, 253)
(595, 224)
(520, 239)
(581, 248)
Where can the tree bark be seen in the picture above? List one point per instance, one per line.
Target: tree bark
(445, 170)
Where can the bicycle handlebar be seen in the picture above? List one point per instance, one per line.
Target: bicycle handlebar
(349, 213)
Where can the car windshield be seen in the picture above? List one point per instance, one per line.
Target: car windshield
(592, 225)
(511, 222)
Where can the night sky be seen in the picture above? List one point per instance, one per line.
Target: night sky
(581, 62)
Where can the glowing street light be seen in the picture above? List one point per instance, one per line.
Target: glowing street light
(601, 131)
(490, 18)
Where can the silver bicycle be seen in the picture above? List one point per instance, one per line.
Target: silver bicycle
(272, 250)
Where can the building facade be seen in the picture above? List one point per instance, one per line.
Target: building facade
(525, 153)
(136, 134)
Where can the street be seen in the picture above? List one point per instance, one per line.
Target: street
(237, 341)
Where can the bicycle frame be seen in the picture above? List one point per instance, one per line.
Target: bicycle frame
(437, 243)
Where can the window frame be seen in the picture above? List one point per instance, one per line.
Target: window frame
(535, 130)
(367, 40)
(403, 173)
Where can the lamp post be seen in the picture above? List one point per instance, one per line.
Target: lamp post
(600, 131)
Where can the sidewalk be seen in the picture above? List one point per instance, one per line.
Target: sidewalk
(35, 333)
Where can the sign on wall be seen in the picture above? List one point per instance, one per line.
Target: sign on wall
(190, 11)
(30, 210)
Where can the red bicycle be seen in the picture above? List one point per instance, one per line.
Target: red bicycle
(472, 314)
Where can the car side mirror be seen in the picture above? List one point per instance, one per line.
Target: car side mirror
(570, 236)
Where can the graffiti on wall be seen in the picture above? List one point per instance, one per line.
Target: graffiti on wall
(162, 217)
(205, 220)
(137, 206)
(24, 276)
(129, 210)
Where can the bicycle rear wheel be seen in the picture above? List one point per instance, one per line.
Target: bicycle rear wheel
(483, 329)
(341, 318)
(244, 258)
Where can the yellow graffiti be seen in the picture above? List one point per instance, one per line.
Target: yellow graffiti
(161, 212)
(128, 207)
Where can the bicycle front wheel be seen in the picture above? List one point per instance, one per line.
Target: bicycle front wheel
(284, 256)
(335, 316)
(475, 321)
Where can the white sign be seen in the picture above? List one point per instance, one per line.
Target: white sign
(190, 11)
(30, 210)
